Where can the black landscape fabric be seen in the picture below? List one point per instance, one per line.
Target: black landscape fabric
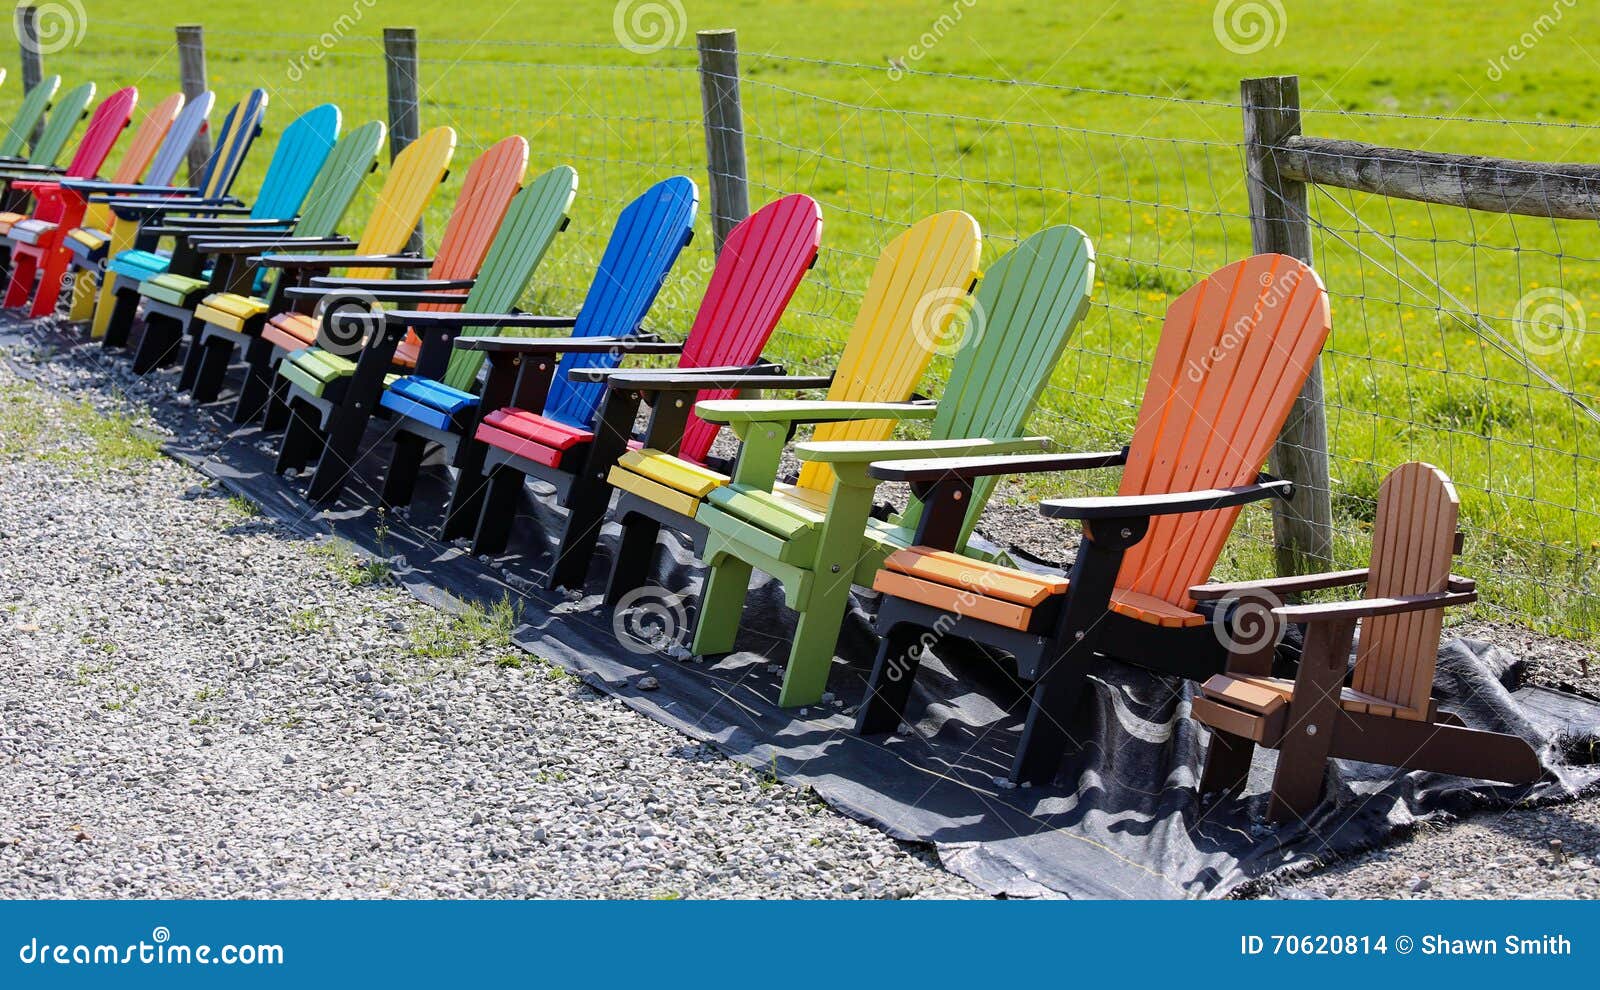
(1124, 819)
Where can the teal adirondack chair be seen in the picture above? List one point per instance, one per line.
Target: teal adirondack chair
(16, 135)
(818, 537)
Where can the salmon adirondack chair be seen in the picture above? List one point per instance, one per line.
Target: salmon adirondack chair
(760, 266)
(14, 139)
(119, 214)
(100, 135)
(353, 158)
(63, 120)
(1387, 715)
(236, 316)
(332, 397)
(309, 373)
(818, 537)
(439, 403)
(1234, 352)
(37, 243)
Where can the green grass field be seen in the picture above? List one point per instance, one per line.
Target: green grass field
(864, 106)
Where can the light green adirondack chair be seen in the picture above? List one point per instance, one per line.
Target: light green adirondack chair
(817, 537)
(16, 135)
(58, 129)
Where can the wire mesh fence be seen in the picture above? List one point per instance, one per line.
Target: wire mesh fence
(1460, 337)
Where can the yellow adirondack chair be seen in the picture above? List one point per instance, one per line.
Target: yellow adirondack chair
(240, 318)
(756, 521)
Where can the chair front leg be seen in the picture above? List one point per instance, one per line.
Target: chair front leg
(1303, 753)
(590, 495)
(1047, 733)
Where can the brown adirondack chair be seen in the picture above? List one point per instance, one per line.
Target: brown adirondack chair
(1387, 715)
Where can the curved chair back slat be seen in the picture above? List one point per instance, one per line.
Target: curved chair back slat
(301, 151)
(147, 139)
(63, 120)
(180, 138)
(761, 264)
(919, 280)
(536, 215)
(16, 134)
(1234, 352)
(353, 158)
(100, 136)
(240, 128)
(413, 178)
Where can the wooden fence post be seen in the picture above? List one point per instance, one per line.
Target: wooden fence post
(724, 124)
(400, 61)
(192, 77)
(32, 60)
(1281, 223)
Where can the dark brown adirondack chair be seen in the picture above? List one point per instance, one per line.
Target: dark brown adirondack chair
(1387, 715)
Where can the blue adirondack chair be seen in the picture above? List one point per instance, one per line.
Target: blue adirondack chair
(644, 244)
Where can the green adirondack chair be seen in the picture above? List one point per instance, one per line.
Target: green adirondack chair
(16, 135)
(41, 161)
(818, 537)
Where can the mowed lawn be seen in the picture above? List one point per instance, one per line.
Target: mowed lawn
(867, 107)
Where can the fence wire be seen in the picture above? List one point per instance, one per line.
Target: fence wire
(1459, 337)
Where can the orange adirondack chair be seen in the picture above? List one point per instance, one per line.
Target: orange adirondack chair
(1387, 715)
(1234, 352)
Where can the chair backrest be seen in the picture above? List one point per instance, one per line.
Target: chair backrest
(492, 181)
(100, 136)
(304, 145)
(761, 264)
(1026, 308)
(1234, 352)
(649, 234)
(914, 292)
(353, 158)
(536, 215)
(64, 117)
(1413, 543)
(16, 135)
(174, 150)
(413, 178)
(240, 128)
(152, 131)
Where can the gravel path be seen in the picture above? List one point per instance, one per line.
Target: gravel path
(197, 704)
(201, 704)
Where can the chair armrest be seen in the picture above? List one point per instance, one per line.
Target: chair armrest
(1366, 608)
(250, 244)
(96, 186)
(871, 451)
(191, 204)
(416, 318)
(304, 261)
(564, 345)
(413, 284)
(396, 292)
(204, 225)
(973, 468)
(699, 379)
(1176, 503)
(745, 411)
(222, 228)
(1292, 585)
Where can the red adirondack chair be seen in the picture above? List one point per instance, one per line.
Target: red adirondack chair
(105, 126)
(760, 267)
